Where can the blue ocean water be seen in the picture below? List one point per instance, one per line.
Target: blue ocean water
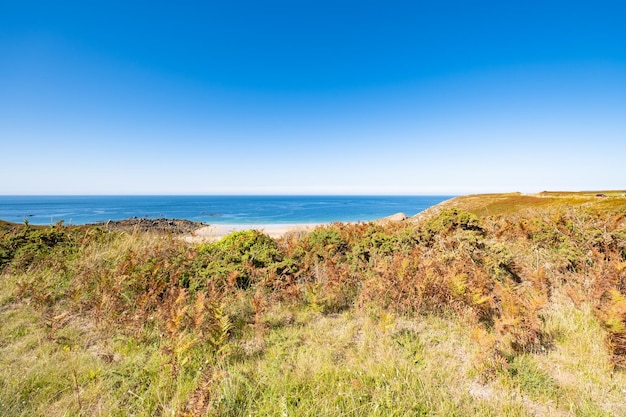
(44, 210)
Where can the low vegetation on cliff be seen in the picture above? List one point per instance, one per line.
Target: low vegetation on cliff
(484, 305)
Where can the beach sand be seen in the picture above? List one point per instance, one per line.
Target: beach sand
(217, 231)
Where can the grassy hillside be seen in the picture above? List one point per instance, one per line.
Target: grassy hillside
(485, 305)
(503, 204)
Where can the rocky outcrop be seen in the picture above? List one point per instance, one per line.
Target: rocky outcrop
(173, 226)
(398, 217)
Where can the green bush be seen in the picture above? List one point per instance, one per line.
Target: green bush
(325, 242)
(237, 258)
(28, 245)
(450, 220)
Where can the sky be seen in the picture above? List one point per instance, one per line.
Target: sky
(311, 97)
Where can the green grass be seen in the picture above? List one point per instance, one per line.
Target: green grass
(351, 365)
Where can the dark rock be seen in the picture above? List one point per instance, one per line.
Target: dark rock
(173, 226)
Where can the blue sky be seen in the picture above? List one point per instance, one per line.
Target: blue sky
(311, 97)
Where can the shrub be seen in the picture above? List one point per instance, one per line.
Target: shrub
(237, 259)
(29, 245)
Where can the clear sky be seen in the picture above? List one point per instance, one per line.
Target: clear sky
(311, 97)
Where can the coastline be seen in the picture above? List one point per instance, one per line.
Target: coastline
(198, 232)
(214, 232)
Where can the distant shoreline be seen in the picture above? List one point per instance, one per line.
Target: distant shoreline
(200, 231)
(195, 232)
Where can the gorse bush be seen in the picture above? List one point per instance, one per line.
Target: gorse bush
(242, 260)
(238, 257)
(29, 245)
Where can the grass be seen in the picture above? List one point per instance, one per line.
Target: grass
(355, 365)
(506, 204)
(497, 305)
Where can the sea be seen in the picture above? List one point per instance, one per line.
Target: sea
(227, 210)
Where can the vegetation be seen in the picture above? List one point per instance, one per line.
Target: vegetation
(485, 305)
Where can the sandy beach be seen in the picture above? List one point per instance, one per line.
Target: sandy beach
(216, 231)
(275, 230)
